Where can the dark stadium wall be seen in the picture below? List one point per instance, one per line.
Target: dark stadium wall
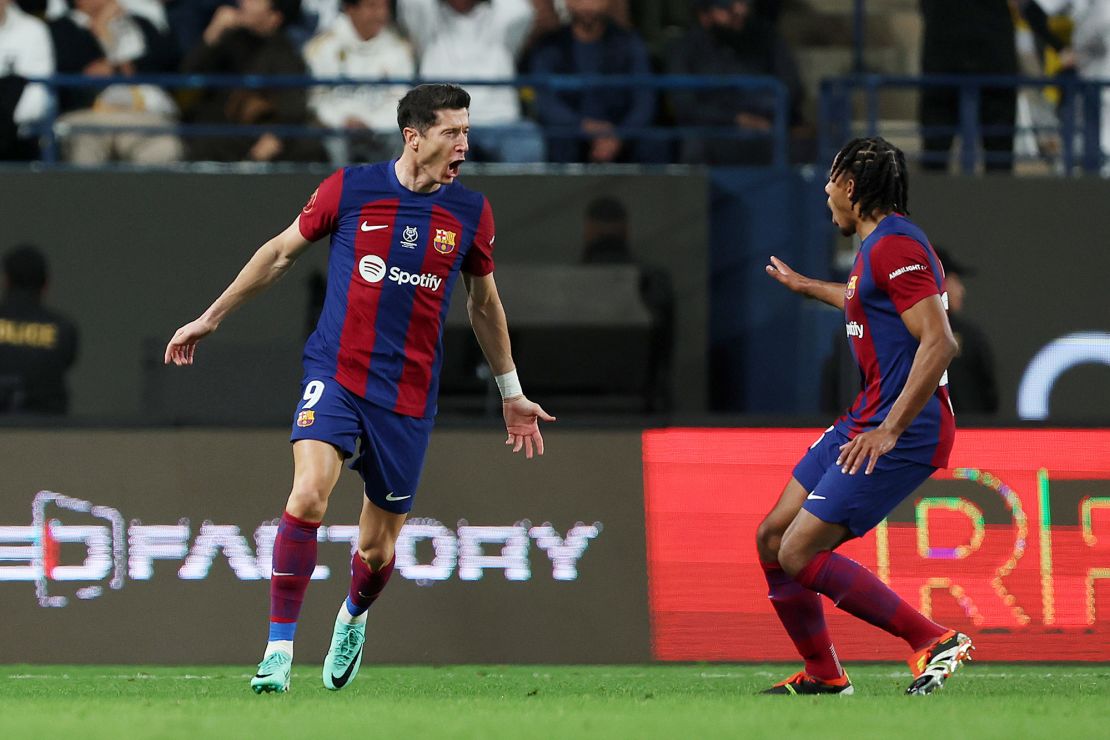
(1041, 254)
(1039, 245)
(155, 549)
(136, 255)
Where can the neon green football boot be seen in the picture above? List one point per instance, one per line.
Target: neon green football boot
(273, 673)
(345, 654)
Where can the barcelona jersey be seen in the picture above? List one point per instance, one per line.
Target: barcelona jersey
(895, 269)
(395, 258)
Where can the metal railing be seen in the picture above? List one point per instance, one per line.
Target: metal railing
(1077, 128)
(777, 136)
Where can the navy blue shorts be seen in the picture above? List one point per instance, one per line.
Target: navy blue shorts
(391, 446)
(859, 501)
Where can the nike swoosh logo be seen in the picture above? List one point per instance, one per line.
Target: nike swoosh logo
(282, 574)
(260, 675)
(390, 497)
(367, 227)
(815, 496)
(341, 681)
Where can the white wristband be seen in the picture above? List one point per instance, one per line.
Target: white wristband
(508, 384)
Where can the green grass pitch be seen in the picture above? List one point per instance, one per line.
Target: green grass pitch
(532, 702)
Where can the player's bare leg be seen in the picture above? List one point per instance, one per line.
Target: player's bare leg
(771, 529)
(316, 468)
(799, 609)
(371, 567)
(806, 553)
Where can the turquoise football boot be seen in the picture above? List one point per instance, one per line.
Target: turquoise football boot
(345, 654)
(273, 673)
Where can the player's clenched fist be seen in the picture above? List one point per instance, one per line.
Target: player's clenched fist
(522, 423)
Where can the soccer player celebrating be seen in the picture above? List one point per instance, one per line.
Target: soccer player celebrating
(401, 233)
(898, 432)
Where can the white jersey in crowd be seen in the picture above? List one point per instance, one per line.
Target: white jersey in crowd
(1091, 37)
(341, 52)
(153, 10)
(26, 50)
(479, 45)
(1091, 43)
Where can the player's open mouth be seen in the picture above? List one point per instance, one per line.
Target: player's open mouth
(453, 168)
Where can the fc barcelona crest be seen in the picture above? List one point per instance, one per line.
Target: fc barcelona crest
(850, 290)
(444, 242)
(306, 418)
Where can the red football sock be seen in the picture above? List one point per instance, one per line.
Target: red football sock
(802, 614)
(293, 562)
(859, 592)
(366, 584)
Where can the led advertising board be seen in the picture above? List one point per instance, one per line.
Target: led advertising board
(1011, 545)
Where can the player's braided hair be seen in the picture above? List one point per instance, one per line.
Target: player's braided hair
(879, 171)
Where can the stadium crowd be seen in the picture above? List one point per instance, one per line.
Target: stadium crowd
(368, 40)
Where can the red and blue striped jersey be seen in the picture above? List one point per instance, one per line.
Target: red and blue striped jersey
(896, 268)
(395, 257)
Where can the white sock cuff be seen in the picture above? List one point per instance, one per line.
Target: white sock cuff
(278, 646)
(347, 618)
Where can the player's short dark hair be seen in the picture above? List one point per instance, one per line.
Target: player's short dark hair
(879, 171)
(25, 267)
(420, 106)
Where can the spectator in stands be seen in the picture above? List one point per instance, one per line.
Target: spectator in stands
(1089, 51)
(468, 39)
(360, 45)
(249, 39)
(606, 242)
(25, 51)
(189, 18)
(592, 44)
(316, 17)
(727, 39)
(98, 38)
(37, 344)
(971, 376)
(968, 37)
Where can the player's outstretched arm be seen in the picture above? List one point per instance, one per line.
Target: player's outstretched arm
(269, 263)
(487, 317)
(830, 293)
(927, 321)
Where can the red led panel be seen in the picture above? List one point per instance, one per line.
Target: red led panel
(1011, 545)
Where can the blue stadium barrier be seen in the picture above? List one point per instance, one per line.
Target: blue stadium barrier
(778, 135)
(1079, 114)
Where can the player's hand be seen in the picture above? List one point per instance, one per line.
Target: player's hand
(781, 271)
(867, 448)
(184, 343)
(522, 423)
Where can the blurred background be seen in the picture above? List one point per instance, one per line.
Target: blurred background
(643, 159)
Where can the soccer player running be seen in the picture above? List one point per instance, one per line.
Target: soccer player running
(401, 233)
(898, 432)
